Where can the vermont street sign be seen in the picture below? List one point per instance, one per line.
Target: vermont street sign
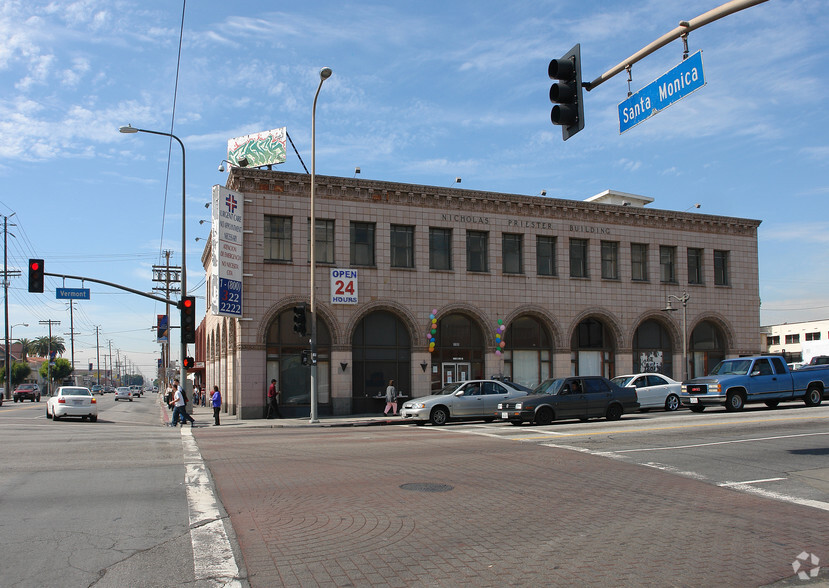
(72, 293)
(675, 84)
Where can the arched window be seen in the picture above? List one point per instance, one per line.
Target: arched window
(652, 349)
(459, 351)
(707, 348)
(592, 349)
(528, 353)
(284, 357)
(381, 351)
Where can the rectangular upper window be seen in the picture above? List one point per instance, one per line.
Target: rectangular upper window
(477, 251)
(578, 258)
(323, 240)
(772, 339)
(792, 339)
(440, 249)
(362, 243)
(610, 260)
(545, 255)
(278, 234)
(639, 262)
(513, 253)
(402, 246)
(667, 264)
(695, 275)
(813, 336)
(721, 277)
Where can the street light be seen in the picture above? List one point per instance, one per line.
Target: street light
(683, 300)
(325, 73)
(129, 129)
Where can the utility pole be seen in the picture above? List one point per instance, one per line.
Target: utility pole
(71, 332)
(49, 322)
(6, 274)
(97, 355)
(111, 381)
(168, 276)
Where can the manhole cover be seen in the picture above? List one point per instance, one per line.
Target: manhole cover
(426, 487)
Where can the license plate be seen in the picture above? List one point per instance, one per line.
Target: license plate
(77, 402)
(693, 400)
(504, 415)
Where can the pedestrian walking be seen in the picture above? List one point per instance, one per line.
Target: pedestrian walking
(180, 406)
(216, 400)
(273, 401)
(391, 398)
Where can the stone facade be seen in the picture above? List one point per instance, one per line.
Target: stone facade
(603, 321)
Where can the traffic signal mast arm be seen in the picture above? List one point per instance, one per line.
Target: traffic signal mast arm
(685, 27)
(119, 286)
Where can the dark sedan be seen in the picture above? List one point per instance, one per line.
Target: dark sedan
(580, 397)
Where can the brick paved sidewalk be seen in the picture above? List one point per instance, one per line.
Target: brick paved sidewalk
(351, 507)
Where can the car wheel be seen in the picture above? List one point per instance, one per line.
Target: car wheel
(130, 399)
(734, 402)
(439, 416)
(544, 416)
(697, 408)
(55, 417)
(614, 412)
(813, 396)
(516, 423)
(48, 416)
(94, 418)
(772, 403)
(672, 402)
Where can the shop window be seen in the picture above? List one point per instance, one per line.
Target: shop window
(362, 244)
(440, 249)
(578, 258)
(513, 254)
(477, 251)
(545, 255)
(402, 246)
(278, 235)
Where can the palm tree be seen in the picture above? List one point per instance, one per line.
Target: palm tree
(27, 346)
(43, 345)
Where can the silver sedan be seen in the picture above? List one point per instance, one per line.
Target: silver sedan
(473, 399)
(72, 401)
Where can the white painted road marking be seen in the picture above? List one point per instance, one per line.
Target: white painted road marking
(213, 559)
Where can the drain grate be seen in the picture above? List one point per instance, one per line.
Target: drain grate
(427, 487)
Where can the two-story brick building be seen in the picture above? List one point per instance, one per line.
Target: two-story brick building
(453, 284)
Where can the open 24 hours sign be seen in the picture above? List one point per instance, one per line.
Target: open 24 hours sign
(343, 286)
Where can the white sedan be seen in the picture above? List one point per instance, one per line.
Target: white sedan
(123, 393)
(653, 390)
(72, 401)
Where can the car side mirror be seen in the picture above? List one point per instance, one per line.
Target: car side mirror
(459, 393)
(755, 373)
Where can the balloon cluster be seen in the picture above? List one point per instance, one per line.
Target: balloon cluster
(433, 329)
(499, 341)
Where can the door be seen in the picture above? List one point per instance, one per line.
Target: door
(455, 372)
(598, 396)
(763, 382)
(470, 403)
(571, 401)
(493, 393)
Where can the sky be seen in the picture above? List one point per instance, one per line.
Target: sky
(422, 93)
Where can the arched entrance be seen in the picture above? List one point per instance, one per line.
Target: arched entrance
(459, 351)
(653, 349)
(284, 364)
(592, 349)
(707, 348)
(528, 359)
(381, 350)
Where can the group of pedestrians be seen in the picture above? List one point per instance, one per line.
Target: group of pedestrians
(177, 399)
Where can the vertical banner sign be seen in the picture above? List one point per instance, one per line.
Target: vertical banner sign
(343, 286)
(162, 329)
(227, 253)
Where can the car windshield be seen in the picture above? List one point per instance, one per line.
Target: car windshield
(549, 386)
(732, 367)
(75, 392)
(622, 380)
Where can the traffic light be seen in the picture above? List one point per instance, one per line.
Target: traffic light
(566, 94)
(188, 319)
(305, 355)
(189, 363)
(300, 320)
(36, 275)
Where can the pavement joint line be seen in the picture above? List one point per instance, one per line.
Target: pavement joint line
(695, 445)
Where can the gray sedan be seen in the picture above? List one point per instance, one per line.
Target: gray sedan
(473, 399)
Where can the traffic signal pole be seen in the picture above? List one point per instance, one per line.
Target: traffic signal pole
(685, 27)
